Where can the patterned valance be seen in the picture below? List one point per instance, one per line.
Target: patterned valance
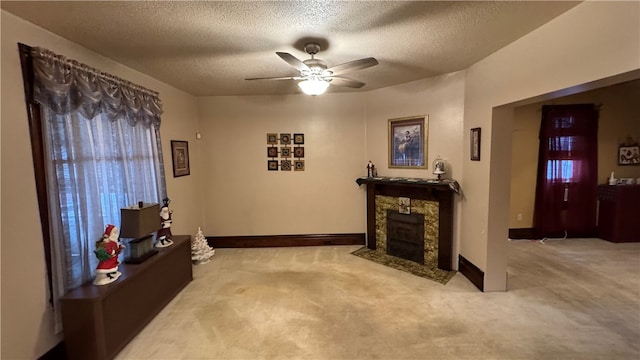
(67, 86)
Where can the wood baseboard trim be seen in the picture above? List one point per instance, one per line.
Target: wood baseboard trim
(58, 352)
(472, 272)
(285, 240)
(523, 234)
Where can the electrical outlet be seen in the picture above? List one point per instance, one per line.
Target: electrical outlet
(519, 216)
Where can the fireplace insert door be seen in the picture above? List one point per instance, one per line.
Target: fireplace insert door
(405, 236)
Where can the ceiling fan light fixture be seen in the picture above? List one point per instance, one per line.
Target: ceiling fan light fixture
(315, 77)
(313, 86)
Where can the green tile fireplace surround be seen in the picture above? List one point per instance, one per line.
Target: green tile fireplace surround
(433, 199)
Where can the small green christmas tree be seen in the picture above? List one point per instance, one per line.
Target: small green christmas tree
(201, 252)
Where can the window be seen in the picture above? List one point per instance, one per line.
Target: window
(96, 149)
(559, 148)
(100, 166)
(567, 171)
(560, 170)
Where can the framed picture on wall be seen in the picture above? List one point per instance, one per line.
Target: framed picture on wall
(272, 151)
(285, 165)
(285, 152)
(272, 138)
(475, 144)
(272, 165)
(629, 155)
(408, 142)
(285, 139)
(180, 156)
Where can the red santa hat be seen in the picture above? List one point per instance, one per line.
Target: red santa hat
(108, 230)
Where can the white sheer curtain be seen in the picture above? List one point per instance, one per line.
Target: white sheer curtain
(102, 150)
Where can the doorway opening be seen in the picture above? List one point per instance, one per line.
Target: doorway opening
(617, 117)
(503, 215)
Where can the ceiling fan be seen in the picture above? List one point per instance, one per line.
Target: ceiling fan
(315, 77)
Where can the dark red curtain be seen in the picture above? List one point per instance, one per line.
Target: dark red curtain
(567, 171)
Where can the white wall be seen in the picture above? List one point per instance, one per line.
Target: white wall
(27, 327)
(342, 131)
(442, 99)
(242, 198)
(593, 40)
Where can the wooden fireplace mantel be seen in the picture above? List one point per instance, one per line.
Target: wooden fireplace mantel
(422, 189)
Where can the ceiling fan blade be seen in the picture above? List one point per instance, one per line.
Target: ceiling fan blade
(338, 81)
(293, 61)
(275, 78)
(353, 65)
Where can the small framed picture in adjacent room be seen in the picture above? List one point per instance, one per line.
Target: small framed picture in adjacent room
(180, 156)
(475, 144)
(629, 155)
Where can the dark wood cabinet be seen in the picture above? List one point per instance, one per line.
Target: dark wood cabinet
(100, 320)
(619, 213)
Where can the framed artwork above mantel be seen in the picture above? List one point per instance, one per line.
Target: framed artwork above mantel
(408, 142)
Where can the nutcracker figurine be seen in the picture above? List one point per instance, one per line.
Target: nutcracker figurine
(371, 170)
(164, 234)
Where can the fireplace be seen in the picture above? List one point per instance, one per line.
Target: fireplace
(405, 236)
(431, 199)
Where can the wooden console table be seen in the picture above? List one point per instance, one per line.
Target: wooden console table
(423, 189)
(100, 320)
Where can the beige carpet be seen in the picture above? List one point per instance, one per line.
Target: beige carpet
(571, 299)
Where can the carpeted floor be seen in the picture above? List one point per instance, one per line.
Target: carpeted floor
(428, 271)
(577, 299)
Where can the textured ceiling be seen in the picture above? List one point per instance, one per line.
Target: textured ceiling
(210, 47)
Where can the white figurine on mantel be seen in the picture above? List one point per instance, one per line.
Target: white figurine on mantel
(438, 168)
(164, 234)
(201, 252)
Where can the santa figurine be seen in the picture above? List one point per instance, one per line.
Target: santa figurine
(107, 250)
(164, 234)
